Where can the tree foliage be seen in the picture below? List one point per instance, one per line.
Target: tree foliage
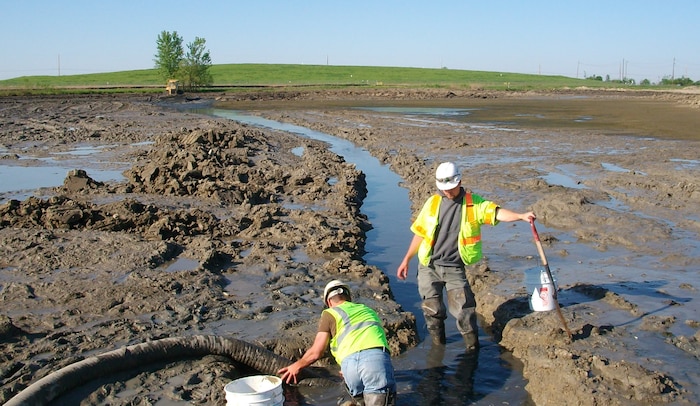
(169, 55)
(683, 81)
(192, 69)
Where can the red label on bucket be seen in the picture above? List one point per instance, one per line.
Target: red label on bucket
(544, 295)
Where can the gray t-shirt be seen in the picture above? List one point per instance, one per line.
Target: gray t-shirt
(445, 250)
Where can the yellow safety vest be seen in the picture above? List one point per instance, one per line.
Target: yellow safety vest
(357, 328)
(475, 212)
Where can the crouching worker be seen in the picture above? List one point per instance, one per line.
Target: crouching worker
(358, 344)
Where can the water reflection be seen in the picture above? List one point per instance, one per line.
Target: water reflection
(182, 264)
(613, 167)
(420, 111)
(554, 178)
(21, 182)
(451, 384)
(22, 176)
(84, 150)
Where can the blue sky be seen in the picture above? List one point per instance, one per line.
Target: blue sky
(649, 39)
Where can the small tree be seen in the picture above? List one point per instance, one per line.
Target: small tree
(169, 54)
(194, 68)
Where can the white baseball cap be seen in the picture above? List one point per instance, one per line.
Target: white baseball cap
(447, 176)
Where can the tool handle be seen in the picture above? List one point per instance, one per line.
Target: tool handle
(538, 243)
(549, 274)
(545, 265)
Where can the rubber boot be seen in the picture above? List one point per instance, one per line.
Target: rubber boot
(380, 399)
(463, 306)
(435, 315)
(356, 401)
(435, 357)
(437, 332)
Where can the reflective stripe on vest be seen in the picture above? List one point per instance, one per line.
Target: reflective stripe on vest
(468, 210)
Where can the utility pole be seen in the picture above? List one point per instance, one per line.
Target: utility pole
(673, 72)
(59, 64)
(623, 70)
(578, 64)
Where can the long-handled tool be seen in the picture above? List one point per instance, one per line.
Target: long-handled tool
(545, 265)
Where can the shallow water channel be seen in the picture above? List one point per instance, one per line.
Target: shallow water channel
(442, 376)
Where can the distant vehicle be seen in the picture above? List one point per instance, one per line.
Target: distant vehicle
(173, 87)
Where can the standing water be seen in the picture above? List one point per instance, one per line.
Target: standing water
(425, 375)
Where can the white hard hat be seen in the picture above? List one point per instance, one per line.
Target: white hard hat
(447, 176)
(335, 287)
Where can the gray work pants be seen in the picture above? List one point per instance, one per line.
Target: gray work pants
(432, 281)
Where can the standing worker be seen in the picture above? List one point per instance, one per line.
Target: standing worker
(358, 344)
(447, 236)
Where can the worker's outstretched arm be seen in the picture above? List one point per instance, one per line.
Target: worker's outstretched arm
(508, 215)
(290, 373)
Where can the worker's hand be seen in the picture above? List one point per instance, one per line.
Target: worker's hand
(289, 374)
(402, 271)
(529, 216)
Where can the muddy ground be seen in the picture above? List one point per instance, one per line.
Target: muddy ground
(211, 232)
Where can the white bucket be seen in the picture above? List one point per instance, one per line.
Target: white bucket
(256, 390)
(540, 289)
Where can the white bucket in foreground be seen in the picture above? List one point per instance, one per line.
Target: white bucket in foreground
(540, 289)
(256, 390)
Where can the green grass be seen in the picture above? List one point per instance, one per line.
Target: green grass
(242, 76)
(305, 75)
